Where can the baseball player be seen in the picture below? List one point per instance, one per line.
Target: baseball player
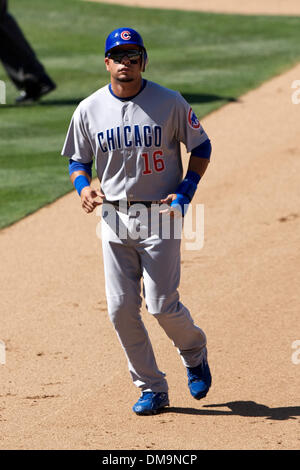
(133, 127)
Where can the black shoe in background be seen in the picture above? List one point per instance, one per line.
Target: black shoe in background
(35, 90)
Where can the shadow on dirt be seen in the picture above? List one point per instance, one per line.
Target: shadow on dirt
(241, 408)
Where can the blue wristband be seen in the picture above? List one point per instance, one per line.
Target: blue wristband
(81, 182)
(181, 203)
(189, 185)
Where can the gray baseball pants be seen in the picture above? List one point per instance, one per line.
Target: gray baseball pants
(135, 249)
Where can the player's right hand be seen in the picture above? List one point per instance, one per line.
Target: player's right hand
(88, 198)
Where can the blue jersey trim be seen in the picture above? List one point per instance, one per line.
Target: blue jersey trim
(203, 150)
(144, 83)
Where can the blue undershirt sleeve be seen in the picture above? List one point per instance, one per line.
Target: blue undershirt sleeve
(78, 166)
(203, 150)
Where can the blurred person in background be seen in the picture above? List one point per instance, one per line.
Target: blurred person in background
(20, 61)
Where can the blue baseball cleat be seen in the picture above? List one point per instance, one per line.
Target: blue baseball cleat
(150, 403)
(199, 379)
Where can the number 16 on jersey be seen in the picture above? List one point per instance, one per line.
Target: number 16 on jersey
(154, 161)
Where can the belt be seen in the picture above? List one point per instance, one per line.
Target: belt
(131, 203)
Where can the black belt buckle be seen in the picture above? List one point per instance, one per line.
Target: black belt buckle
(145, 203)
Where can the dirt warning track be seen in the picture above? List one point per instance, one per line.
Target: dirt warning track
(253, 7)
(65, 383)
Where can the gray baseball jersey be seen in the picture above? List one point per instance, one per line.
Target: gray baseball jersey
(135, 142)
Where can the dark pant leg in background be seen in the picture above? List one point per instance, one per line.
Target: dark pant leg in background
(17, 56)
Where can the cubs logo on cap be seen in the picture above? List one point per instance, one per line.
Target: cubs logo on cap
(125, 35)
(121, 36)
(193, 120)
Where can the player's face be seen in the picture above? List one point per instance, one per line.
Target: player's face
(126, 68)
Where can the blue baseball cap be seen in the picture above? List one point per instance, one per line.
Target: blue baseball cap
(123, 36)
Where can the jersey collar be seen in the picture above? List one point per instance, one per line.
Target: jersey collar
(144, 83)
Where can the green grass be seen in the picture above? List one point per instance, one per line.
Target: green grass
(211, 59)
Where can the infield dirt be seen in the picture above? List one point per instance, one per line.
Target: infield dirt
(65, 383)
(248, 7)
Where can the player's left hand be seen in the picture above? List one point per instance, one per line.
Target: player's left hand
(170, 210)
